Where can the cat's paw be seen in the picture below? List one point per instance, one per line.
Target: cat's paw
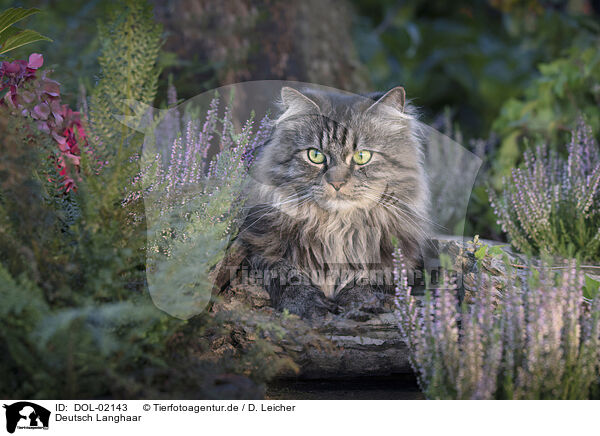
(305, 301)
(363, 299)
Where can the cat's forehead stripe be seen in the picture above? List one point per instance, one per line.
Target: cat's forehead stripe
(342, 132)
(331, 129)
(323, 139)
(336, 134)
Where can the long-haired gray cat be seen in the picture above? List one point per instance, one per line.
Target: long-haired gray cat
(338, 183)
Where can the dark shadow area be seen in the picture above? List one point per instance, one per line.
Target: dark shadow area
(396, 387)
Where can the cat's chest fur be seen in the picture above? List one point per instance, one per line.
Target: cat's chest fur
(336, 249)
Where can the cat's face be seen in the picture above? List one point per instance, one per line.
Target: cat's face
(341, 152)
(338, 168)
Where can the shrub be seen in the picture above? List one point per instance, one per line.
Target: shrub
(551, 204)
(566, 89)
(38, 99)
(77, 320)
(192, 202)
(469, 55)
(76, 262)
(541, 341)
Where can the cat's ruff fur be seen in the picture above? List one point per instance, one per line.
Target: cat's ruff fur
(297, 227)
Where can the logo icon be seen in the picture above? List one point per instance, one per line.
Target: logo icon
(26, 415)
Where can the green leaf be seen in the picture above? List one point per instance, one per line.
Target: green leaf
(591, 287)
(13, 15)
(496, 250)
(481, 252)
(8, 33)
(23, 38)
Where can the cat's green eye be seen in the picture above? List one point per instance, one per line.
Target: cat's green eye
(362, 157)
(315, 156)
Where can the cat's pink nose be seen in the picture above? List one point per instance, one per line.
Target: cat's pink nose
(337, 185)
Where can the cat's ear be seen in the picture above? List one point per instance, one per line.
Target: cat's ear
(394, 98)
(296, 103)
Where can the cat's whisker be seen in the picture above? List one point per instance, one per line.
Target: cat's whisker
(404, 214)
(411, 210)
(404, 203)
(400, 213)
(414, 215)
(301, 200)
(262, 207)
(288, 199)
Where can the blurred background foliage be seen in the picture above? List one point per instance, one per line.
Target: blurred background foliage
(471, 56)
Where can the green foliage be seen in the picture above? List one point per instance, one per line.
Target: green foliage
(129, 73)
(482, 60)
(12, 37)
(74, 54)
(591, 288)
(82, 267)
(567, 89)
(485, 251)
(466, 55)
(130, 46)
(77, 320)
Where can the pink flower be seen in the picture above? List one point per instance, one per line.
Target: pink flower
(36, 60)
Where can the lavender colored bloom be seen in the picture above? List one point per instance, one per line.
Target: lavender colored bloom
(540, 342)
(199, 183)
(552, 205)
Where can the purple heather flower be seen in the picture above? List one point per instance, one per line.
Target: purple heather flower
(192, 170)
(552, 203)
(542, 340)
